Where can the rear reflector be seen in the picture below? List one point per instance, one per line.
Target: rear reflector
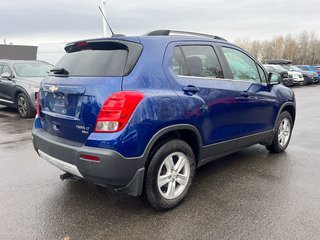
(90, 158)
(117, 110)
(38, 104)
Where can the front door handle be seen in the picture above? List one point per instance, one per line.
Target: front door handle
(190, 89)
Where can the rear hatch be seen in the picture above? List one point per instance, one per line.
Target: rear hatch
(72, 95)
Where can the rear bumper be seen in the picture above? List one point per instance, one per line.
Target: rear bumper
(113, 170)
(298, 80)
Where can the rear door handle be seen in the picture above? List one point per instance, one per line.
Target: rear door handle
(190, 89)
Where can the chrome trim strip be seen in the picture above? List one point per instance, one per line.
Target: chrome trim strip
(2, 100)
(64, 166)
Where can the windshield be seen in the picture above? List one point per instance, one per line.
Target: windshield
(32, 69)
(288, 68)
(295, 68)
(268, 66)
(280, 67)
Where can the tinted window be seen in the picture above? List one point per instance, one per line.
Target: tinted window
(178, 63)
(1, 66)
(242, 66)
(33, 69)
(95, 62)
(198, 61)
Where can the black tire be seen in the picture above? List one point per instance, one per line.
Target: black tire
(307, 81)
(24, 106)
(174, 150)
(280, 144)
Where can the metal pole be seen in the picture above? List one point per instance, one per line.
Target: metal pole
(105, 27)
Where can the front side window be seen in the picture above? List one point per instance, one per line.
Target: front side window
(242, 66)
(262, 74)
(196, 61)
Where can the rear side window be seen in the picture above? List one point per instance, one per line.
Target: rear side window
(196, 61)
(242, 66)
(100, 59)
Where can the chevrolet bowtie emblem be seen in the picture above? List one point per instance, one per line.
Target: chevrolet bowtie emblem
(53, 88)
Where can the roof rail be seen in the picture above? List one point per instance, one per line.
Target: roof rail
(169, 32)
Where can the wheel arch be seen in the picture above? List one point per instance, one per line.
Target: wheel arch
(185, 132)
(291, 109)
(17, 91)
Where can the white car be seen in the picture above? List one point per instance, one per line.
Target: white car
(296, 76)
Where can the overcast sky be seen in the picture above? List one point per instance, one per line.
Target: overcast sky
(34, 22)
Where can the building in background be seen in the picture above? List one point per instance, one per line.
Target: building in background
(18, 52)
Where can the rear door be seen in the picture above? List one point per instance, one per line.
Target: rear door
(197, 77)
(72, 96)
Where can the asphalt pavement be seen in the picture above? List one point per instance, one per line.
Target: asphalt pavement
(251, 194)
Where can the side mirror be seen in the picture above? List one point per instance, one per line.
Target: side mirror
(274, 78)
(6, 75)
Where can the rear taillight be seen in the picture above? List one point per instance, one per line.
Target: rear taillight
(117, 110)
(38, 104)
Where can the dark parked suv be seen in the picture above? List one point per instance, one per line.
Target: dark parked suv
(141, 114)
(20, 82)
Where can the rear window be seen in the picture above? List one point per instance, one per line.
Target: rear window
(105, 59)
(95, 63)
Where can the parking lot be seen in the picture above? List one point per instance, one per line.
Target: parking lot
(248, 195)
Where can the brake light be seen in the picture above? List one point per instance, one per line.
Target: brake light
(117, 110)
(38, 104)
(81, 44)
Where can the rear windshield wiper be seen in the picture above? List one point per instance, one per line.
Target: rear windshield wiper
(59, 70)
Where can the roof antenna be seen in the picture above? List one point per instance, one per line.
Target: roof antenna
(104, 17)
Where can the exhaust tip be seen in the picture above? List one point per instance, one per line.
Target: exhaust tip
(65, 176)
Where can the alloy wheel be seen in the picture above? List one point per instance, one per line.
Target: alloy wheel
(22, 106)
(173, 175)
(284, 132)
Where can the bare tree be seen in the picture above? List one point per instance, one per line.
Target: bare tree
(302, 48)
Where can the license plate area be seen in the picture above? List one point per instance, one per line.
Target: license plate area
(60, 101)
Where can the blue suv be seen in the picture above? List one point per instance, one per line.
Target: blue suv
(140, 114)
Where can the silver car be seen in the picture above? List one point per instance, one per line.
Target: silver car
(19, 84)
